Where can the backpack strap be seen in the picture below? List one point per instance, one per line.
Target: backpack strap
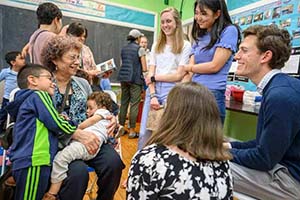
(32, 44)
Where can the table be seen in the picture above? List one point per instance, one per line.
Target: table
(241, 120)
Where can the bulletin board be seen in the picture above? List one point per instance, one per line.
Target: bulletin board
(284, 13)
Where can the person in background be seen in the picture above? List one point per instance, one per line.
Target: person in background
(216, 40)
(131, 78)
(144, 43)
(87, 62)
(168, 56)
(50, 23)
(105, 84)
(62, 55)
(185, 158)
(15, 60)
(268, 167)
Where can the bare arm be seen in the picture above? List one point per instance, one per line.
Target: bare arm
(220, 58)
(144, 64)
(25, 50)
(90, 121)
(175, 77)
(188, 76)
(154, 101)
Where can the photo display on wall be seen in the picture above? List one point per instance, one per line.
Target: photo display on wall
(284, 13)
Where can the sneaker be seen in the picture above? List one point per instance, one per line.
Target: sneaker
(133, 135)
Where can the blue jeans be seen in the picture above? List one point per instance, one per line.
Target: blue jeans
(220, 99)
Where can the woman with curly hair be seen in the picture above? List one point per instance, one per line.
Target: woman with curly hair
(71, 93)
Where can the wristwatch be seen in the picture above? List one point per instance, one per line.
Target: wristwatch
(153, 79)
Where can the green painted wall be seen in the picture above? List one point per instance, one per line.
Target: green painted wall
(187, 8)
(151, 5)
(158, 5)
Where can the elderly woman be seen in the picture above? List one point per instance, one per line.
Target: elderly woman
(62, 56)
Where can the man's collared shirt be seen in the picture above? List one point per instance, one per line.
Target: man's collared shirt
(266, 79)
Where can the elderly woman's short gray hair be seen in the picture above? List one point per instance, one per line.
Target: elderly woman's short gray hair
(56, 48)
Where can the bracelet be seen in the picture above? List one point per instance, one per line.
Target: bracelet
(152, 95)
(192, 69)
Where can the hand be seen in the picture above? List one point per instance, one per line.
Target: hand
(93, 72)
(88, 139)
(154, 104)
(113, 124)
(65, 116)
(107, 74)
(226, 145)
(187, 77)
(147, 80)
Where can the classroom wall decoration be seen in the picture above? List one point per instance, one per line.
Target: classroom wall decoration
(96, 9)
(234, 4)
(284, 13)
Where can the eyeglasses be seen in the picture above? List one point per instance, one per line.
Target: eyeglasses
(51, 78)
(73, 57)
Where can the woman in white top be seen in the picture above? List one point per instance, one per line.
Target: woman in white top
(168, 56)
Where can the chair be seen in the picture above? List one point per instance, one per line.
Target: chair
(112, 94)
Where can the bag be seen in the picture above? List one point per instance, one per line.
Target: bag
(154, 117)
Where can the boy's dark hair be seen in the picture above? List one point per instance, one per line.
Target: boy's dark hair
(11, 56)
(27, 70)
(101, 99)
(47, 12)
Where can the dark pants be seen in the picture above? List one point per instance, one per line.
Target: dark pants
(108, 167)
(131, 93)
(3, 114)
(31, 182)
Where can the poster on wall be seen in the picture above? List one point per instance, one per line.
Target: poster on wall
(284, 13)
(95, 9)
